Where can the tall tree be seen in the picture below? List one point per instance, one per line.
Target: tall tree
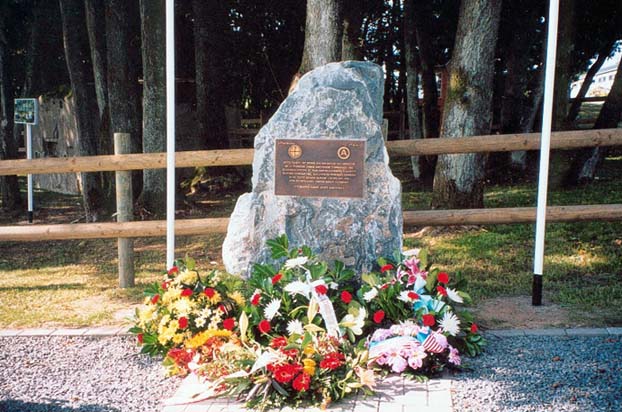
(422, 20)
(210, 27)
(459, 179)
(352, 43)
(96, 26)
(412, 82)
(11, 200)
(81, 75)
(563, 65)
(323, 34)
(124, 65)
(152, 14)
(586, 164)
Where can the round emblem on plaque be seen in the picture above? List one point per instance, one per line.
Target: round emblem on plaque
(343, 153)
(294, 151)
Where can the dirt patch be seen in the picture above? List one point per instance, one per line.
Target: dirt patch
(518, 312)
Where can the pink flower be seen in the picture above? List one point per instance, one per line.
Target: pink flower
(454, 356)
(415, 360)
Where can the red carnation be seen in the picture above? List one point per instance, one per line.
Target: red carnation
(413, 295)
(164, 285)
(474, 328)
(155, 298)
(321, 289)
(332, 361)
(441, 290)
(443, 277)
(379, 316)
(386, 267)
(255, 299)
(428, 320)
(140, 338)
(183, 322)
(209, 292)
(286, 372)
(385, 286)
(346, 297)
(186, 292)
(278, 342)
(290, 353)
(228, 323)
(276, 278)
(301, 383)
(264, 326)
(172, 271)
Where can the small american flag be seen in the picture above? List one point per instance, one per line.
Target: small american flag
(430, 344)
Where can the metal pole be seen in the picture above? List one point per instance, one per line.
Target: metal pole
(170, 133)
(545, 144)
(29, 157)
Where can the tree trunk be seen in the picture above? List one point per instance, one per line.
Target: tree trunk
(575, 105)
(123, 54)
(459, 179)
(323, 34)
(563, 76)
(9, 188)
(152, 13)
(412, 83)
(584, 166)
(423, 17)
(96, 26)
(209, 28)
(352, 42)
(81, 75)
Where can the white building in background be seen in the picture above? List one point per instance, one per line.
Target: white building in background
(602, 82)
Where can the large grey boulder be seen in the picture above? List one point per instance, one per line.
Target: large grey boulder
(336, 101)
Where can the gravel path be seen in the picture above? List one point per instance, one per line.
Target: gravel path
(543, 373)
(79, 374)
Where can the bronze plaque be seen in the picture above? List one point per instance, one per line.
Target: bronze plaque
(319, 168)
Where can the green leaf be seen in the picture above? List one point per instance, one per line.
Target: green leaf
(306, 340)
(279, 388)
(279, 247)
(465, 296)
(431, 280)
(263, 271)
(318, 270)
(370, 278)
(423, 258)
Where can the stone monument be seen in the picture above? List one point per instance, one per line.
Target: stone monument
(321, 175)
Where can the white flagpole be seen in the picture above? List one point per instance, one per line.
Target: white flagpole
(170, 133)
(545, 144)
(29, 179)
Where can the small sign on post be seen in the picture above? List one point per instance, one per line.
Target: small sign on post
(26, 112)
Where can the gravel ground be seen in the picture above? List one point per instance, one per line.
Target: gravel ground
(79, 374)
(543, 374)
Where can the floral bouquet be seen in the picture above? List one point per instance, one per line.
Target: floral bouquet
(278, 298)
(181, 307)
(425, 331)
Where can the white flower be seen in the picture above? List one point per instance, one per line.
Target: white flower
(333, 285)
(294, 327)
(411, 252)
(272, 309)
(453, 295)
(297, 287)
(369, 296)
(299, 261)
(355, 323)
(450, 323)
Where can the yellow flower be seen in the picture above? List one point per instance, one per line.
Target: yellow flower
(309, 366)
(366, 377)
(308, 350)
(238, 298)
(178, 338)
(216, 298)
(199, 339)
(173, 293)
(188, 277)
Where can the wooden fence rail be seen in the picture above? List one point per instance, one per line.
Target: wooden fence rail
(219, 225)
(239, 157)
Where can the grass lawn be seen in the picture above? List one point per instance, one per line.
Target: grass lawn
(74, 283)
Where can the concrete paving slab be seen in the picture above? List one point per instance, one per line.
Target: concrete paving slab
(587, 332)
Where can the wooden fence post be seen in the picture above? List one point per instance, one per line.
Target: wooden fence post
(125, 212)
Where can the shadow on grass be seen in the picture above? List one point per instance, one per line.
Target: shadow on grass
(64, 286)
(53, 405)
